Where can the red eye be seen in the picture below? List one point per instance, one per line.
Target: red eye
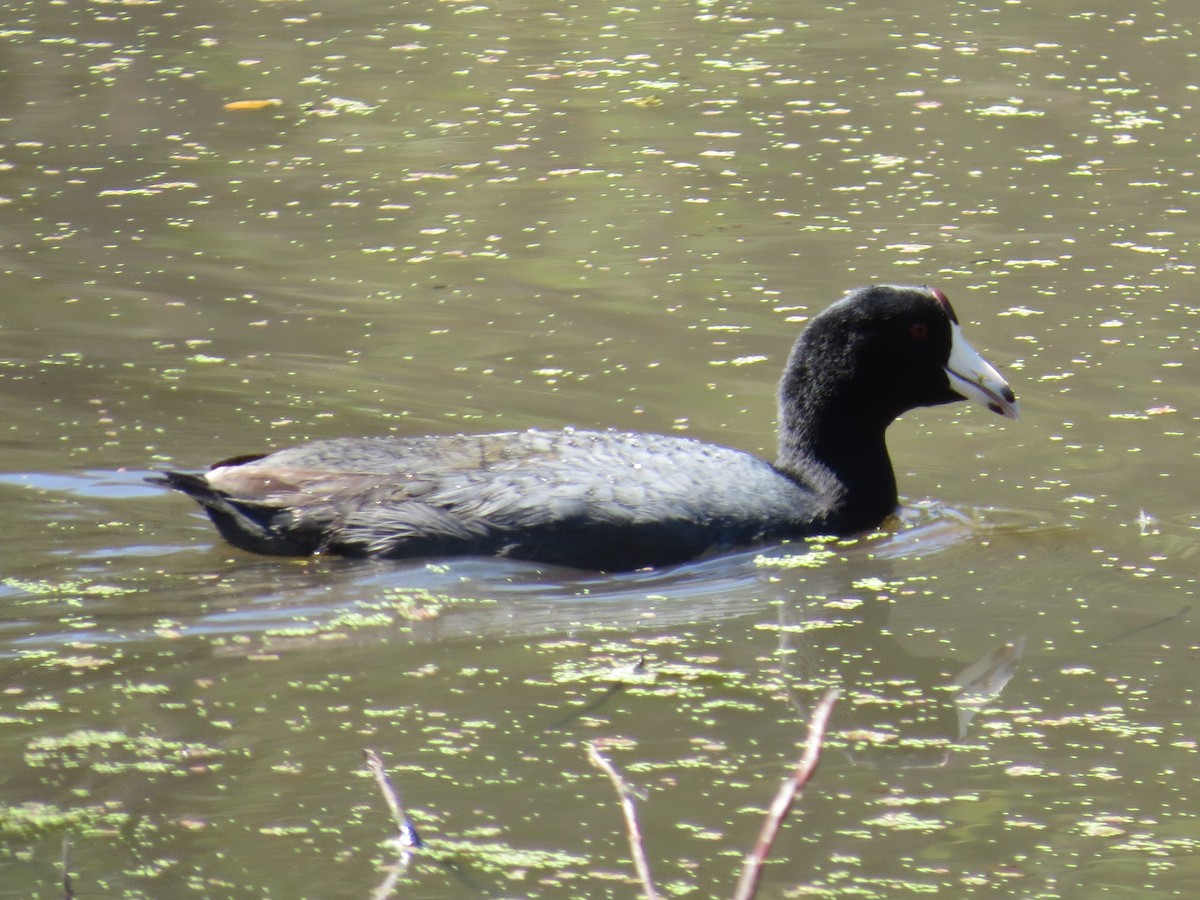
(919, 331)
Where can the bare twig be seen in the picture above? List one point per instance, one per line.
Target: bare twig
(67, 887)
(747, 885)
(614, 688)
(387, 887)
(407, 835)
(407, 831)
(636, 848)
(1140, 628)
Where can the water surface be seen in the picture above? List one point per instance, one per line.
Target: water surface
(477, 216)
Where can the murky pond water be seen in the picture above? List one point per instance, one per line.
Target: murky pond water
(481, 216)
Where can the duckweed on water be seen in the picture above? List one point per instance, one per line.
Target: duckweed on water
(397, 609)
(115, 752)
(901, 820)
(44, 590)
(501, 858)
(26, 820)
(52, 659)
(813, 559)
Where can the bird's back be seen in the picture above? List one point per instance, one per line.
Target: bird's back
(593, 499)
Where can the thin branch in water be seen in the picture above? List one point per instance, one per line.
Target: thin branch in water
(637, 848)
(388, 886)
(747, 885)
(579, 712)
(407, 836)
(607, 694)
(1138, 629)
(67, 887)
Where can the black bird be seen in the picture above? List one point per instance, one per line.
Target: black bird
(613, 500)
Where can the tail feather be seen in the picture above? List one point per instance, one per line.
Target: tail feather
(258, 527)
(190, 483)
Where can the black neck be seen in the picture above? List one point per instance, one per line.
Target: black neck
(826, 444)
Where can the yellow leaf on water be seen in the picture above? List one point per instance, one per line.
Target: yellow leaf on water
(242, 105)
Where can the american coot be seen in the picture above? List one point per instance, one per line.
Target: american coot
(614, 500)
